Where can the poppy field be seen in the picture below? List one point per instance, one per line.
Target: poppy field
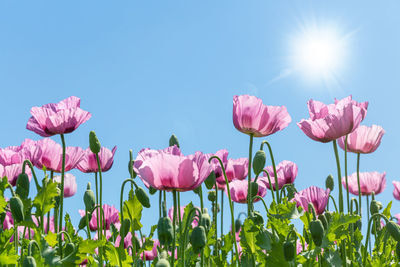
(36, 229)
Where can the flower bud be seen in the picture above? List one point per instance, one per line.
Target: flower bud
(205, 220)
(198, 239)
(394, 230)
(142, 197)
(257, 218)
(322, 218)
(212, 195)
(69, 249)
(238, 224)
(210, 181)
(375, 207)
(165, 231)
(173, 141)
(17, 209)
(329, 182)
(22, 185)
(289, 250)
(152, 190)
(82, 222)
(162, 263)
(317, 231)
(328, 216)
(259, 162)
(253, 188)
(125, 226)
(94, 142)
(29, 261)
(89, 198)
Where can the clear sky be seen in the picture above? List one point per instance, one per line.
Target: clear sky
(147, 69)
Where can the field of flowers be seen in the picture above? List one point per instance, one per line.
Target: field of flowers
(35, 230)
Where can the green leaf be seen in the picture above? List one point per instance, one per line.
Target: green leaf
(44, 200)
(6, 259)
(3, 204)
(263, 240)
(386, 211)
(51, 239)
(115, 258)
(338, 228)
(133, 208)
(248, 236)
(88, 246)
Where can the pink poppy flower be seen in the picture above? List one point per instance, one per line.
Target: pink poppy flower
(363, 139)
(48, 153)
(286, 172)
(369, 182)
(88, 162)
(111, 215)
(12, 172)
(329, 122)
(299, 246)
(238, 189)
(61, 118)
(17, 154)
(396, 190)
(235, 169)
(169, 170)
(152, 254)
(51, 224)
(314, 195)
(70, 185)
(251, 116)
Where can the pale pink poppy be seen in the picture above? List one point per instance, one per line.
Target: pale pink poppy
(251, 116)
(363, 139)
(369, 182)
(70, 185)
(152, 254)
(239, 188)
(396, 190)
(315, 195)
(111, 215)
(88, 162)
(286, 172)
(171, 215)
(12, 172)
(235, 169)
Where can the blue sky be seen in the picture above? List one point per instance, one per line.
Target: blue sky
(147, 69)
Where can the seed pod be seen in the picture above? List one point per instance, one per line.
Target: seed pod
(253, 188)
(210, 181)
(142, 197)
(152, 190)
(82, 222)
(257, 218)
(94, 143)
(89, 198)
(322, 218)
(205, 220)
(29, 261)
(22, 186)
(173, 141)
(398, 251)
(212, 195)
(289, 250)
(375, 207)
(329, 182)
(317, 231)
(198, 238)
(17, 209)
(259, 162)
(394, 230)
(125, 226)
(238, 224)
(69, 249)
(162, 263)
(165, 231)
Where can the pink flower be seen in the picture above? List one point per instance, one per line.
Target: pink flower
(397, 216)
(48, 153)
(396, 191)
(171, 215)
(61, 118)
(238, 189)
(363, 139)
(299, 246)
(314, 195)
(251, 116)
(286, 172)
(329, 122)
(52, 229)
(17, 154)
(12, 172)
(110, 214)
(88, 162)
(152, 254)
(70, 185)
(169, 170)
(369, 182)
(235, 169)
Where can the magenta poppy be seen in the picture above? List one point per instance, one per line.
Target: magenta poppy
(329, 122)
(396, 190)
(315, 195)
(70, 185)
(369, 182)
(238, 190)
(286, 172)
(88, 162)
(61, 118)
(363, 139)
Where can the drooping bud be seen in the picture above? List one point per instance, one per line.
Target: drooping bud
(82, 222)
(89, 198)
(29, 261)
(375, 207)
(257, 218)
(317, 231)
(394, 230)
(125, 226)
(322, 218)
(22, 185)
(142, 197)
(238, 224)
(17, 209)
(289, 250)
(253, 188)
(259, 162)
(152, 190)
(198, 239)
(212, 195)
(210, 181)
(173, 141)
(165, 231)
(205, 220)
(329, 182)
(94, 142)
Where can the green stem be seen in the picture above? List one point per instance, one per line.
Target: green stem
(249, 175)
(62, 192)
(101, 192)
(345, 173)
(368, 220)
(201, 198)
(159, 204)
(274, 168)
(270, 185)
(29, 163)
(222, 214)
(121, 196)
(263, 201)
(174, 228)
(179, 252)
(188, 221)
(368, 233)
(334, 202)
(358, 183)
(339, 176)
